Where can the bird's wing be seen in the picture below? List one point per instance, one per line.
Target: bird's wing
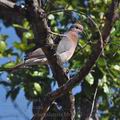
(29, 62)
(38, 53)
(64, 45)
(34, 58)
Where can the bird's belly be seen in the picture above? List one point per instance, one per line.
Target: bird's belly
(65, 56)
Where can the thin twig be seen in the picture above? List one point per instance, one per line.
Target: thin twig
(57, 34)
(93, 103)
(96, 27)
(64, 10)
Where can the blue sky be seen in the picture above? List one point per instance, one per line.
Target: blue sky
(8, 109)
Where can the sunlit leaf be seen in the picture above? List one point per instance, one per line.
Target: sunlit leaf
(28, 35)
(37, 87)
(106, 89)
(51, 16)
(89, 78)
(116, 67)
(26, 24)
(18, 26)
(9, 65)
(2, 46)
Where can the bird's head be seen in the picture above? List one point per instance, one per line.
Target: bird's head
(77, 27)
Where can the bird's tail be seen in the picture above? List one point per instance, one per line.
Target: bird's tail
(27, 64)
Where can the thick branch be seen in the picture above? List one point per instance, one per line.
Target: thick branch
(9, 12)
(89, 64)
(42, 37)
(111, 17)
(35, 15)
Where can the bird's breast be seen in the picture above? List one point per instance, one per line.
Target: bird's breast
(73, 36)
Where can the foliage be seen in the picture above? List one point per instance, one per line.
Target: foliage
(36, 81)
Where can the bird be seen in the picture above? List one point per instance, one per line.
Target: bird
(64, 51)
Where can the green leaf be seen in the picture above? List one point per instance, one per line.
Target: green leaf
(101, 61)
(9, 65)
(51, 17)
(116, 67)
(20, 46)
(26, 24)
(37, 87)
(103, 80)
(18, 26)
(16, 45)
(89, 78)
(3, 46)
(106, 89)
(28, 35)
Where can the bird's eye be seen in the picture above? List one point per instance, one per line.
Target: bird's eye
(77, 27)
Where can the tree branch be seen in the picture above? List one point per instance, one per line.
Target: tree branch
(10, 14)
(86, 68)
(7, 3)
(37, 18)
(41, 31)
